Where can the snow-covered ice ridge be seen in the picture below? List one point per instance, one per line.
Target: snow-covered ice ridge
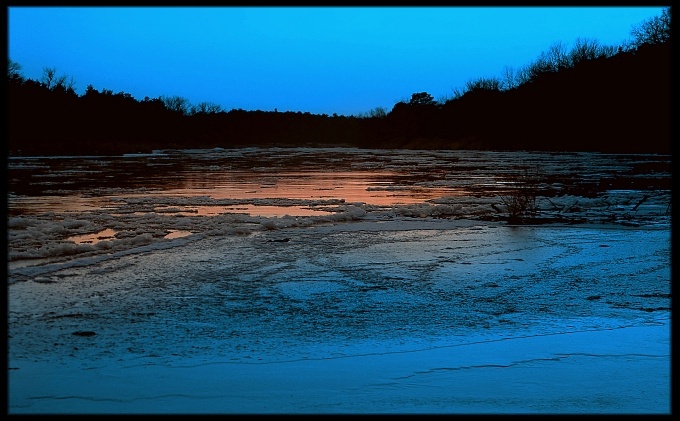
(144, 199)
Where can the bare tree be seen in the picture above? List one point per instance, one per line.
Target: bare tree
(71, 85)
(557, 57)
(483, 84)
(457, 93)
(49, 73)
(510, 79)
(206, 108)
(13, 70)
(64, 83)
(60, 81)
(540, 66)
(524, 74)
(377, 112)
(583, 49)
(656, 30)
(177, 104)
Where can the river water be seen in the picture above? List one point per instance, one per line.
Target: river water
(58, 205)
(339, 281)
(373, 177)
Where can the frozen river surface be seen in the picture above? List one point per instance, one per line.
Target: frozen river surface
(426, 301)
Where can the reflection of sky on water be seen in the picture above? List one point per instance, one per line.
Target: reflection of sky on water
(374, 177)
(145, 199)
(400, 288)
(109, 234)
(369, 187)
(104, 235)
(257, 210)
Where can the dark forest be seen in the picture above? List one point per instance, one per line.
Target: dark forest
(588, 98)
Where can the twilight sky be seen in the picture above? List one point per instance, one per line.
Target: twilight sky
(344, 60)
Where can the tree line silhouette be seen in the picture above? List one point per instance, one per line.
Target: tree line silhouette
(588, 98)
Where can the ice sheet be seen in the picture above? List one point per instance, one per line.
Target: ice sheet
(145, 197)
(398, 316)
(129, 302)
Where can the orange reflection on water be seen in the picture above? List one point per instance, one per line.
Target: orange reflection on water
(109, 234)
(56, 204)
(377, 188)
(177, 234)
(255, 210)
(370, 187)
(105, 235)
(258, 210)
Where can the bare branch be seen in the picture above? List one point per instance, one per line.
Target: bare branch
(49, 73)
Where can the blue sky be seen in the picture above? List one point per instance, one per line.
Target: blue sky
(344, 60)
